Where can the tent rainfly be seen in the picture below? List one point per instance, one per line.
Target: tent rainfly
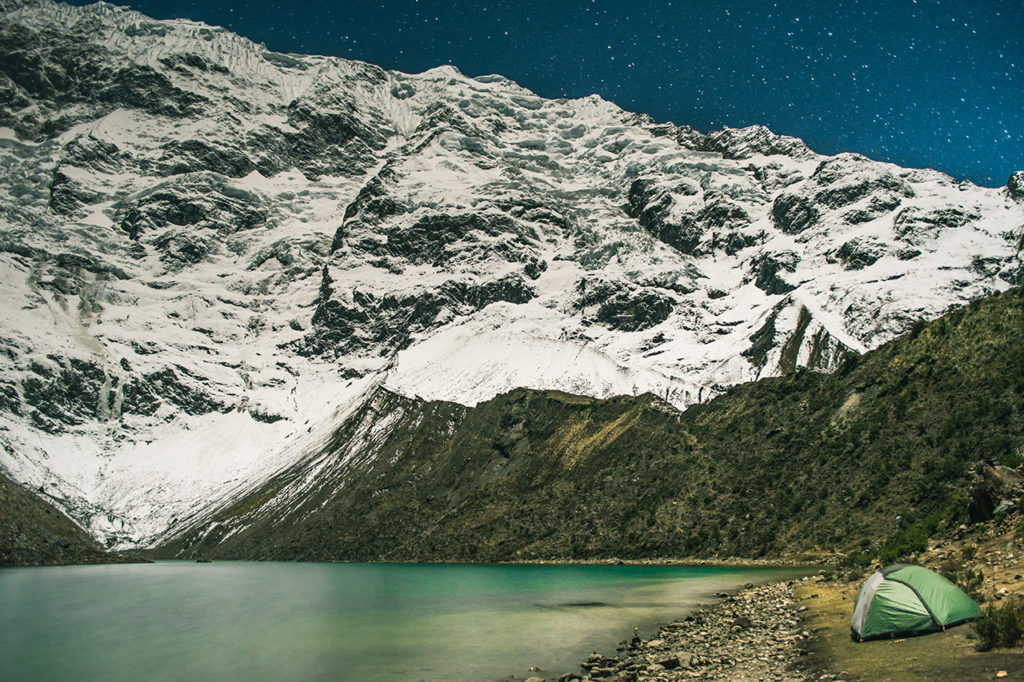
(902, 600)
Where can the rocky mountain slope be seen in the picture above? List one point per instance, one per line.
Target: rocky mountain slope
(214, 254)
(876, 456)
(34, 533)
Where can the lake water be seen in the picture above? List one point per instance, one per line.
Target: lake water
(302, 621)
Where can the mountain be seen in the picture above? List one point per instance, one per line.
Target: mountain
(215, 256)
(34, 533)
(879, 454)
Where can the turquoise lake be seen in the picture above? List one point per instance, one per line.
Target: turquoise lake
(304, 621)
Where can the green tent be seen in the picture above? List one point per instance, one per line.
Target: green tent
(902, 600)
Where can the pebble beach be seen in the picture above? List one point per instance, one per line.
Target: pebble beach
(755, 634)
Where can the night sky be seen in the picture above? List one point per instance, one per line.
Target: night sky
(922, 83)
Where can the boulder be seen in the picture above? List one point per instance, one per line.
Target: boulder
(993, 485)
(669, 662)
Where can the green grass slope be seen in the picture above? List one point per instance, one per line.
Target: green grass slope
(873, 457)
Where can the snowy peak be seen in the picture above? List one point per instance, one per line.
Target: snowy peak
(211, 252)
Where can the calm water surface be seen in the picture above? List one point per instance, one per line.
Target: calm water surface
(270, 621)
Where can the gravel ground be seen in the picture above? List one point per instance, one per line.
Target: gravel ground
(753, 635)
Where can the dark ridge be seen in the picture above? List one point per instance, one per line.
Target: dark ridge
(34, 533)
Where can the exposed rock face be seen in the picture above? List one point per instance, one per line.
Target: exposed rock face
(793, 213)
(1015, 186)
(623, 310)
(694, 225)
(858, 254)
(766, 270)
(745, 143)
(201, 238)
(915, 226)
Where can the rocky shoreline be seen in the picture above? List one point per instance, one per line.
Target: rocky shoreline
(753, 635)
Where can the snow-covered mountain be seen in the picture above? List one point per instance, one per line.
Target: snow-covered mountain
(213, 253)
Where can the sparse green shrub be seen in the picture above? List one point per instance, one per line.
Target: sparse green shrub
(857, 560)
(1001, 627)
(909, 540)
(967, 579)
(1014, 458)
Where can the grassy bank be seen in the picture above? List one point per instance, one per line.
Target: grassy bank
(994, 549)
(950, 655)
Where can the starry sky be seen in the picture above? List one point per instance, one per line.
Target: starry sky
(921, 83)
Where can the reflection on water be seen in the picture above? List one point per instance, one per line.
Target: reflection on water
(272, 621)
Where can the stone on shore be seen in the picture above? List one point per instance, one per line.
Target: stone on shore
(754, 634)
